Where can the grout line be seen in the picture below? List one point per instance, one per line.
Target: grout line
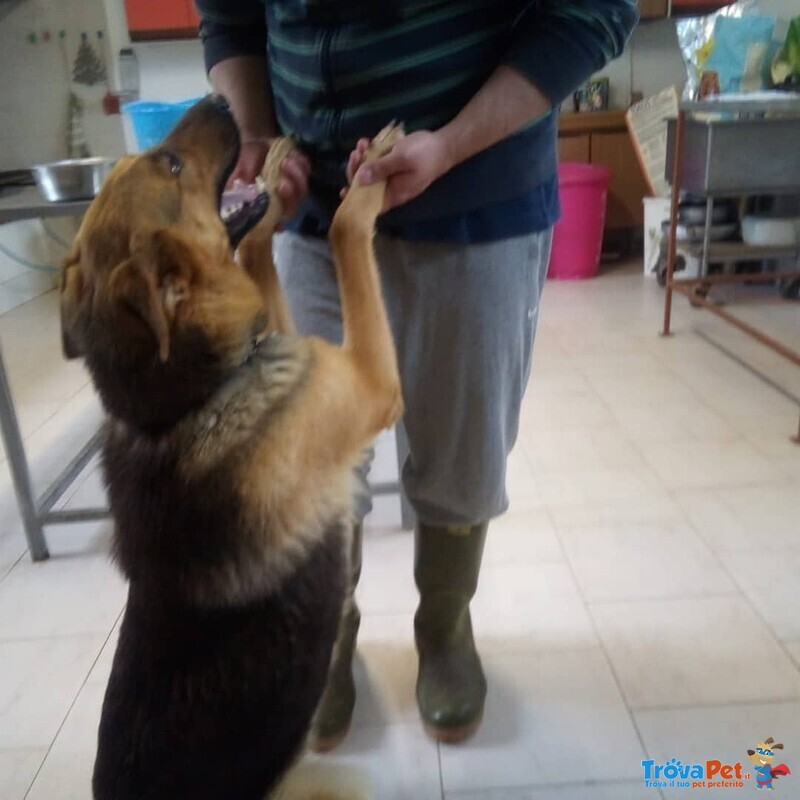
(441, 774)
(602, 644)
(700, 706)
(72, 704)
(480, 794)
(13, 565)
(717, 557)
(664, 598)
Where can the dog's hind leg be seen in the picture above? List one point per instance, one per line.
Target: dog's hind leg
(255, 250)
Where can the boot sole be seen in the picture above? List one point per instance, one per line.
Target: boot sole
(328, 743)
(454, 735)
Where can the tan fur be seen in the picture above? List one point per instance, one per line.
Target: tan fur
(306, 420)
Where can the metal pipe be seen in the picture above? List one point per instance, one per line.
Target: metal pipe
(67, 515)
(69, 473)
(758, 335)
(672, 250)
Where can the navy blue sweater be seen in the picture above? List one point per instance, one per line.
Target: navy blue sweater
(342, 70)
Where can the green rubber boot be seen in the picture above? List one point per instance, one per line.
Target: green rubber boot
(451, 687)
(335, 710)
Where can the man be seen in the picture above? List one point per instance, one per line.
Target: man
(463, 245)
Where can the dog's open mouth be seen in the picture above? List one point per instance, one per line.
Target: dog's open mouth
(241, 208)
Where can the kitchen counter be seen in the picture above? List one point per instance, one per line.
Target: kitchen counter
(25, 202)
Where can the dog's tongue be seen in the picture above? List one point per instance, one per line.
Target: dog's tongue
(241, 209)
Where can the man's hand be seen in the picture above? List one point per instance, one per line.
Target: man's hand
(412, 166)
(295, 168)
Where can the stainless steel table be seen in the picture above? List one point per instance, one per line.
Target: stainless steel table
(20, 203)
(25, 202)
(733, 148)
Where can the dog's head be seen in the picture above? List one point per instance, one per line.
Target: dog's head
(764, 753)
(151, 295)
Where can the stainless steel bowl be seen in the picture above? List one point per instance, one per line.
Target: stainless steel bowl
(73, 179)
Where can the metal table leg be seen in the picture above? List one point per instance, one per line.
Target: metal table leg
(36, 514)
(407, 517)
(20, 474)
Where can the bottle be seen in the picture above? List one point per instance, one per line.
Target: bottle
(128, 76)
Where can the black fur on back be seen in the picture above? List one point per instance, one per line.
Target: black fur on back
(207, 700)
(214, 704)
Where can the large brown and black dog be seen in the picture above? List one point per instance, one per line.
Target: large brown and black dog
(228, 457)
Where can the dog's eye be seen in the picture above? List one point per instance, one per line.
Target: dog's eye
(175, 164)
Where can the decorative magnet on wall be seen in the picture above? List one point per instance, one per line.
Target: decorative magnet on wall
(88, 69)
(77, 146)
(31, 37)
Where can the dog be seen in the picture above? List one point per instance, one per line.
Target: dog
(228, 454)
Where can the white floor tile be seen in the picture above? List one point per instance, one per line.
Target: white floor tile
(385, 672)
(725, 733)
(396, 762)
(66, 596)
(387, 576)
(686, 465)
(543, 714)
(39, 679)
(770, 581)
(17, 770)
(745, 519)
(524, 607)
(67, 771)
(794, 649)
(592, 450)
(698, 651)
(642, 561)
(578, 486)
(522, 537)
(575, 791)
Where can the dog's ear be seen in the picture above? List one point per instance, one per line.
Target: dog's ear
(72, 291)
(154, 281)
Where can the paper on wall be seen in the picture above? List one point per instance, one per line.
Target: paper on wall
(647, 124)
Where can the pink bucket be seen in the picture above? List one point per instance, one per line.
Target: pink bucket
(578, 235)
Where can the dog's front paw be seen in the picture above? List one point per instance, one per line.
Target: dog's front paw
(271, 173)
(363, 202)
(384, 141)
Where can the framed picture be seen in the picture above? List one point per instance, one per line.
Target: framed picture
(592, 96)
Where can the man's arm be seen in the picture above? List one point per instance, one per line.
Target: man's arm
(556, 46)
(234, 36)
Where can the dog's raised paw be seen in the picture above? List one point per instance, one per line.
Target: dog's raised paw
(384, 141)
(271, 173)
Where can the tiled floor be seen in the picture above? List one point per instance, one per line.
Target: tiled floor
(640, 600)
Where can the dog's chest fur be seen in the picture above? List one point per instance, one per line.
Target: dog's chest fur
(188, 519)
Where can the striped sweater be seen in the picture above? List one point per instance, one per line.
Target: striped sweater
(341, 69)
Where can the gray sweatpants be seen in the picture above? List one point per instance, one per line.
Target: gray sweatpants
(463, 319)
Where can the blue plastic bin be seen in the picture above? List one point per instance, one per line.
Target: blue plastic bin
(152, 121)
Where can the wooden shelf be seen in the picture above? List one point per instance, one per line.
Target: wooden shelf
(592, 121)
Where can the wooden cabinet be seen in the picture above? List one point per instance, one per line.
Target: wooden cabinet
(602, 138)
(161, 19)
